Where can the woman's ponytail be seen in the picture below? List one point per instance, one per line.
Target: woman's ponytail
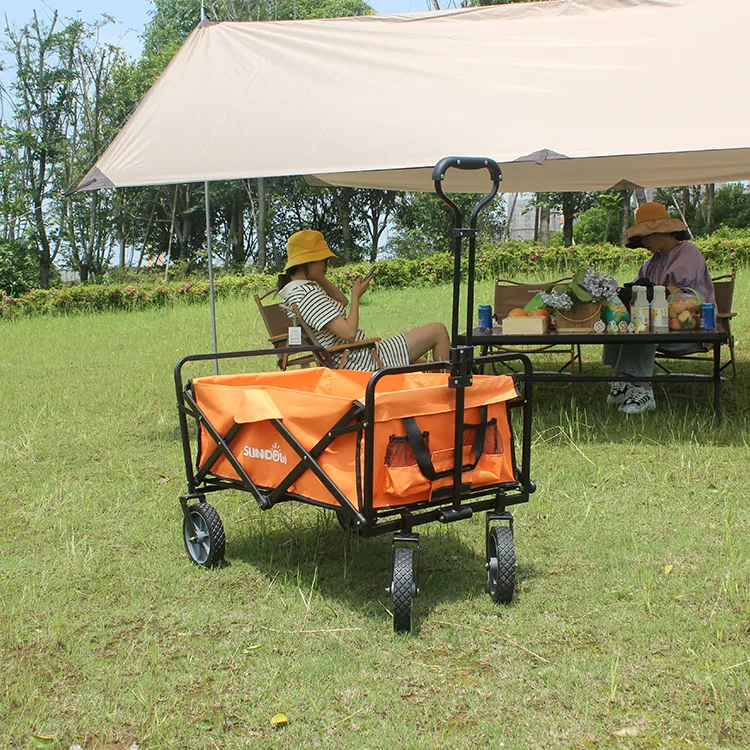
(283, 280)
(286, 277)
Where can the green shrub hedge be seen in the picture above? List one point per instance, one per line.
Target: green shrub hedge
(507, 259)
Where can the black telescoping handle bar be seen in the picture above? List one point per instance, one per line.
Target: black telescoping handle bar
(459, 231)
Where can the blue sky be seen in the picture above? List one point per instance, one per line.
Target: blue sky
(132, 15)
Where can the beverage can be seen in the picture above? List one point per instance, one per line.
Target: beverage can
(708, 315)
(485, 316)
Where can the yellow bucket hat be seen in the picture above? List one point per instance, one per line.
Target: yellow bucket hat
(653, 218)
(305, 247)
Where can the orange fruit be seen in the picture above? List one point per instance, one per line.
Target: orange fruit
(517, 312)
(539, 312)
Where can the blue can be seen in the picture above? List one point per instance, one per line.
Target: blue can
(708, 316)
(485, 316)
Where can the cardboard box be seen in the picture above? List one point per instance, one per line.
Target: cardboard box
(532, 325)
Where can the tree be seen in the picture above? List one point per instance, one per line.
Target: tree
(569, 204)
(732, 206)
(46, 77)
(423, 224)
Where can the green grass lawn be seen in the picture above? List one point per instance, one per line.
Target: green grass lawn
(631, 622)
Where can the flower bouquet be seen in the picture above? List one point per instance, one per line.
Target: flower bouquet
(577, 303)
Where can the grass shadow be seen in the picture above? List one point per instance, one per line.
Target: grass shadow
(315, 554)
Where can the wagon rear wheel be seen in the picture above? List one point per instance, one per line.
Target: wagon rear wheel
(403, 588)
(501, 564)
(203, 533)
(346, 522)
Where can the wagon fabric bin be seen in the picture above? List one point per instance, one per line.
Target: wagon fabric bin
(413, 432)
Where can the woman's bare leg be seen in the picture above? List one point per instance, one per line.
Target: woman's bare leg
(432, 336)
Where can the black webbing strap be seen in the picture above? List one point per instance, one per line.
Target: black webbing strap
(422, 452)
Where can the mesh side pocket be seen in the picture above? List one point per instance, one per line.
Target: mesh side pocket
(493, 441)
(399, 453)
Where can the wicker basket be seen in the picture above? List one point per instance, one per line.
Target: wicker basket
(579, 320)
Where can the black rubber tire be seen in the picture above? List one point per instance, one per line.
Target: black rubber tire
(402, 588)
(501, 564)
(204, 535)
(346, 523)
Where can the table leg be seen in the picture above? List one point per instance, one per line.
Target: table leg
(717, 383)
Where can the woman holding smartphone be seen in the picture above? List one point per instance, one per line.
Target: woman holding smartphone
(322, 305)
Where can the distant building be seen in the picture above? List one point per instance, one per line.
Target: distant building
(68, 276)
(523, 217)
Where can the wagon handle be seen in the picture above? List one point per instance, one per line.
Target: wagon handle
(467, 162)
(460, 231)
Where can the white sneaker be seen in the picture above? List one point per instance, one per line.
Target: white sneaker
(618, 392)
(639, 399)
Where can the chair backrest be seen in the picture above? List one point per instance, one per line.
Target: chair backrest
(277, 324)
(274, 317)
(724, 291)
(510, 294)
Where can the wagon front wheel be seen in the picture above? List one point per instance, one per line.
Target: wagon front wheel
(203, 533)
(501, 564)
(403, 588)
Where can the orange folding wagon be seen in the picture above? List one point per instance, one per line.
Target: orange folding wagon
(386, 451)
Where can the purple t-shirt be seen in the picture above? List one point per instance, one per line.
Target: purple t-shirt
(681, 266)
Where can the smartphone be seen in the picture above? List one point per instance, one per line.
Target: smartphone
(370, 274)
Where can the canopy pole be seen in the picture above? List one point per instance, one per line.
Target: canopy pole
(211, 277)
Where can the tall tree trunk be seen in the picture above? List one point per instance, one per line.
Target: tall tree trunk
(88, 258)
(640, 196)
(342, 200)
(568, 216)
(42, 242)
(261, 224)
(710, 195)
(375, 235)
(686, 202)
(543, 235)
(237, 234)
(624, 215)
(511, 211)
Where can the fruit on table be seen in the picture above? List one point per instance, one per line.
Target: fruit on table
(679, 306)
(691, 304)
(518, 312)
(684, 320)
(539, 312)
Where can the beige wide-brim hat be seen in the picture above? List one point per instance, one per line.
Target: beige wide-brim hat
(653, 218)
(306, 246)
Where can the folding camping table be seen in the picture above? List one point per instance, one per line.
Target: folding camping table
(495, 337)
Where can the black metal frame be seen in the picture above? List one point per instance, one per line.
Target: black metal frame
(369, 521)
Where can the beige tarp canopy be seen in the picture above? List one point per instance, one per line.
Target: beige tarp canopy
(565, 95)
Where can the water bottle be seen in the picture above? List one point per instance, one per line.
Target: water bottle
(659, 311)
(640, 310)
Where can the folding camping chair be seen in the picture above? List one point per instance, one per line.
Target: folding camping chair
(723, 293)
(277, 322)
(511, 294)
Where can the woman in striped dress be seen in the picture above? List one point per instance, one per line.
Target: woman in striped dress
(322, 305)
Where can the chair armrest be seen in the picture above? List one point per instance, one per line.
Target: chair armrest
(352, 345)
(279, 337)
(726, 316)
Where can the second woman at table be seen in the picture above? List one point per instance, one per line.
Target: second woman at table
(674, 262)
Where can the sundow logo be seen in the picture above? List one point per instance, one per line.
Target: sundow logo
(273, 454)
